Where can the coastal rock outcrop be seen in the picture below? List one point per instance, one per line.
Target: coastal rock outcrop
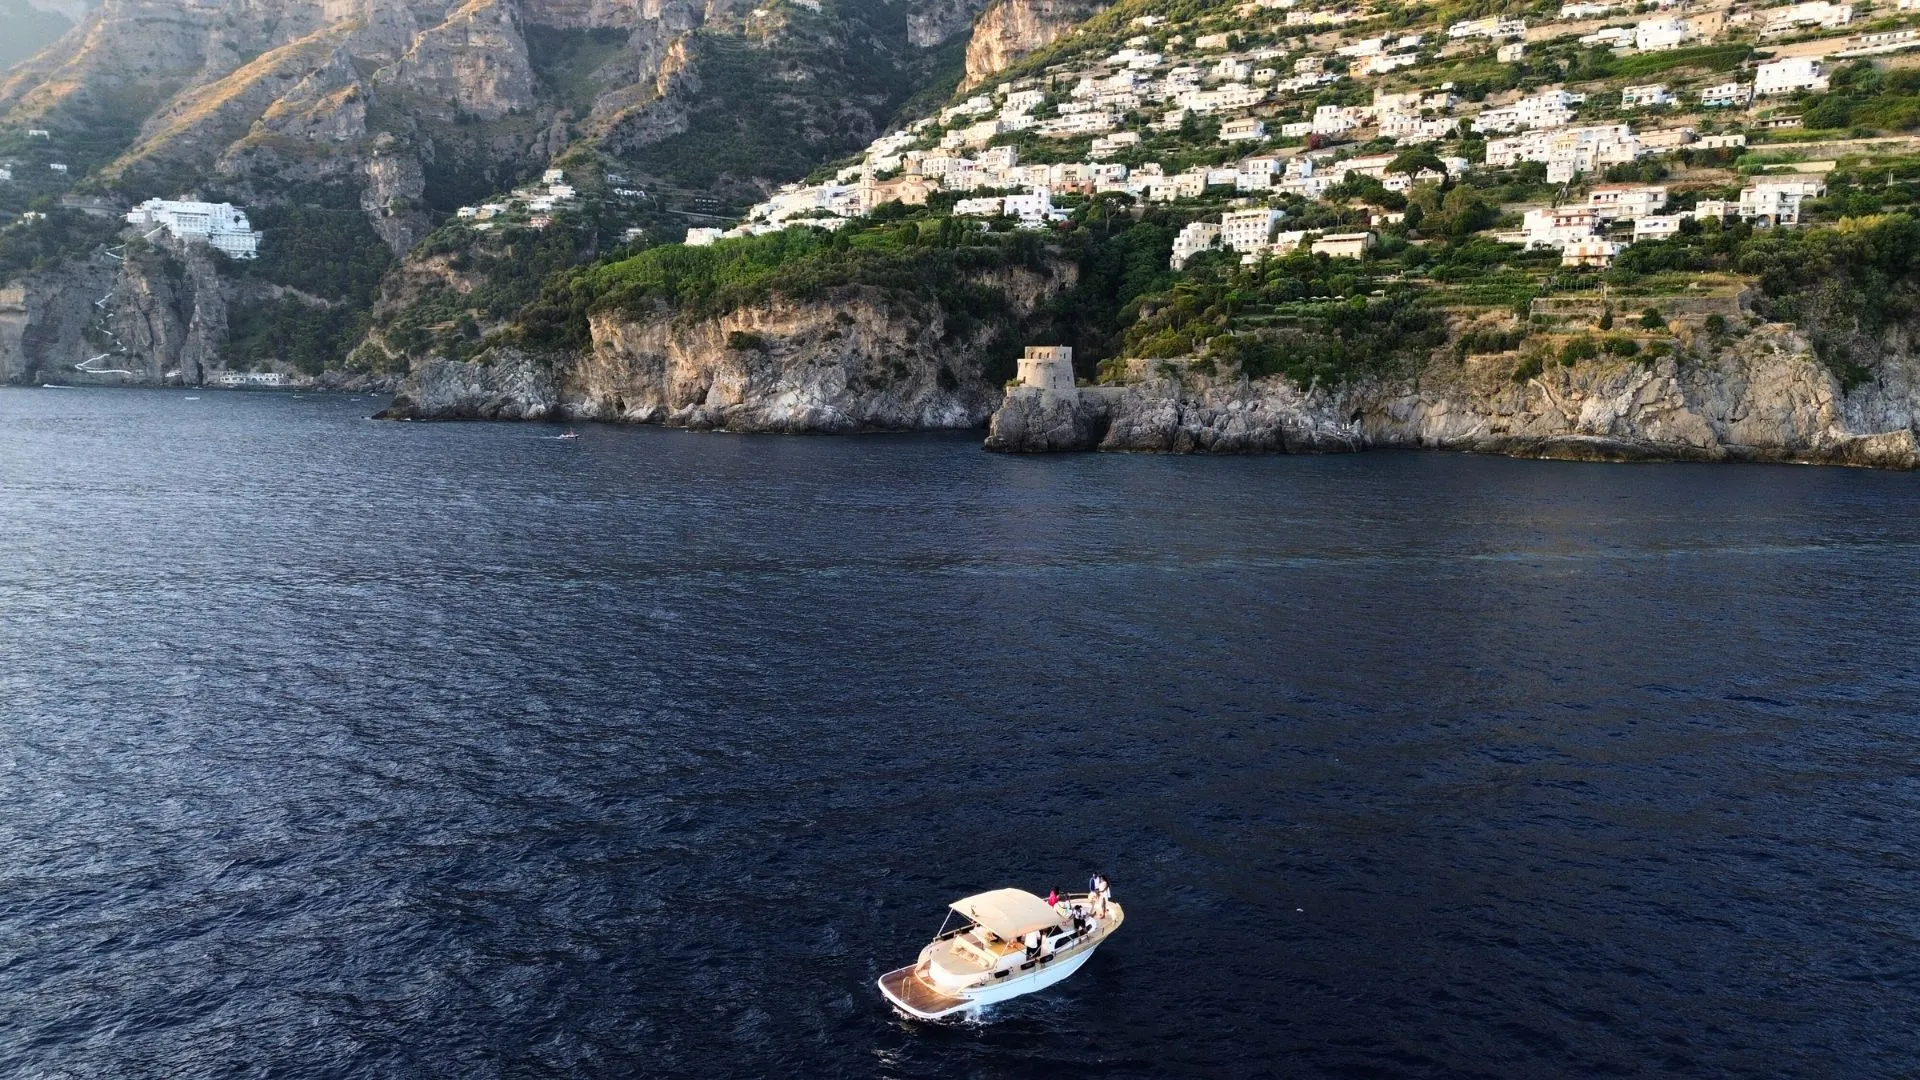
(1763, 396)
(855, 359)
(509, 385)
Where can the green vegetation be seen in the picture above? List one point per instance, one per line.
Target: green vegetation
(31, 246)
(507, 267)
(1864, 97)
(1845, 286)
(332, 254)
(920, 258)
(1307, 317)
(289, 331)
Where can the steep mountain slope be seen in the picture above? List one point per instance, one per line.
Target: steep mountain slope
(1009, 30)
(397, 112)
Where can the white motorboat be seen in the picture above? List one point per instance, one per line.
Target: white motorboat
(988, 958)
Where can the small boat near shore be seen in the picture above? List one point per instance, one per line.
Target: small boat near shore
(1010, 943)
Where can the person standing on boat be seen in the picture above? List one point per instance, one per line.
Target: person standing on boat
(1053, 897)
(1033, 943)
(1097, 886)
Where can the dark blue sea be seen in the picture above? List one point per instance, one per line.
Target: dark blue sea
(339, 748)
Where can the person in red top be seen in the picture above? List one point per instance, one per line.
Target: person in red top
(1053, 897)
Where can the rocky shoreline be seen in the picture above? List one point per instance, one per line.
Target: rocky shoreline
(1763, 398)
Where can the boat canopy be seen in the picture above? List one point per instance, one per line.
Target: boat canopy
(1009, 913)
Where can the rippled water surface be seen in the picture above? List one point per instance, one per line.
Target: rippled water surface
(338, 748)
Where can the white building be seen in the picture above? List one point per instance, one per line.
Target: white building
(1197, 237)
(1558, 226)
(1584, 10)
(1033, 208)
(1494, 27)
(1511, 53)
(1660, 35)
(1248, 230)
(252, 378)
(1232, 70)
(1567, 152)
(1777, 200)
(1818, 13)
(1243, 131)
(1106, 146)
(1726, 96)
(1256, 174)
(701, 237)
(1787, 76)
(222, 226)
(1614, 202)
(1344, 245)
(1594, 253)
(1645, 97)
(1336, 119)
(1547, 109)
(1657, 226)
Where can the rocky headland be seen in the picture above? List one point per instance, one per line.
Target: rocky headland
(854, 359)
(1763, 395)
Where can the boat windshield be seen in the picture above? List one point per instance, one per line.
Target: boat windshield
(954, 925)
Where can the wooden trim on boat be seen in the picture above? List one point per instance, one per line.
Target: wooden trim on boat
(907, 988)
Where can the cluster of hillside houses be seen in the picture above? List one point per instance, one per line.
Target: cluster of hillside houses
(1584, 233)
(963, 150)
(537, 203)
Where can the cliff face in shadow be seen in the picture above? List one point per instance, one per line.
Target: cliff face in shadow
(1761, 396)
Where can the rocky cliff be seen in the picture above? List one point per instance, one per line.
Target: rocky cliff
(130, 314)
(1762, 396)
(855, 359)
(1010, 29)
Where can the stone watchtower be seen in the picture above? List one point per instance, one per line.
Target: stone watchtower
(1047, 367)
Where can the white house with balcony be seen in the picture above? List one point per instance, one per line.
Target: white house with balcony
(1794, 17)
(1652, 96)
(1197, 237)
(1731, 95)
(1243, 131)
(1776, 200)
(1556, 227)
(1660, 35)
(1789, 75)
(1616, 202)
(1248, 230)
(1547, 109)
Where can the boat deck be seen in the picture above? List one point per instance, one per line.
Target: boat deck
(909, 989)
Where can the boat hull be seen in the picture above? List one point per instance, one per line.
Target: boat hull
(914, 996)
